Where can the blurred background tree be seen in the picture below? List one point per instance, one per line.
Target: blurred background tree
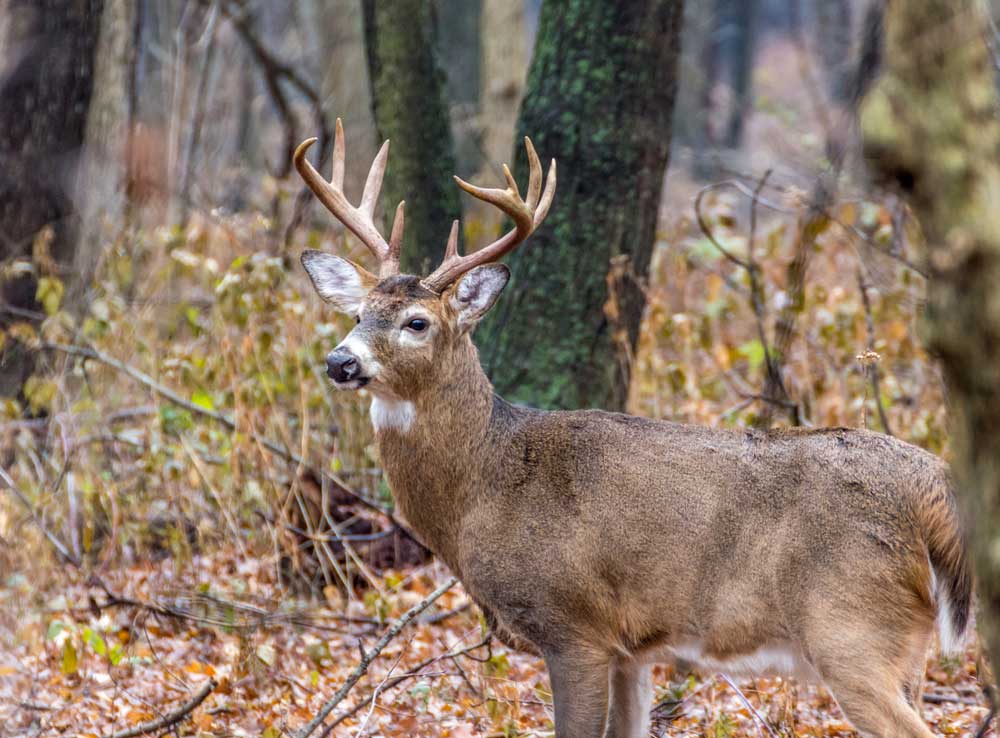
(45, 94)
(932, 134)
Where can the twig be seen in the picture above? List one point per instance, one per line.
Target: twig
(707, 231)
(937, 698)
(746, 703)
(987, 723)
(872, 368)
(37, 519)
(414, 672)
(370, 655)
(442, 616)
(171, 718)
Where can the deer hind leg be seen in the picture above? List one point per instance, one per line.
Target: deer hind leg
(631, 699)
(879, 709)
(876, 681)
(579, 691)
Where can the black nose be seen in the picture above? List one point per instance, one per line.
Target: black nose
(342, 366)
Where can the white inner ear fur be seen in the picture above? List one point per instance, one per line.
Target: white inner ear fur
(477, 291)
(337, 280)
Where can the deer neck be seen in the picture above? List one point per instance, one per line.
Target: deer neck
(435, 447)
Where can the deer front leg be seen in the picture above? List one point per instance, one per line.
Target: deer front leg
(580, 692)
(631, 699)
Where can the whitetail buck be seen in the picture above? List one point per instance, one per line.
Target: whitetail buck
(606, 541)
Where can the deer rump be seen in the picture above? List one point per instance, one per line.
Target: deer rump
(742, 551)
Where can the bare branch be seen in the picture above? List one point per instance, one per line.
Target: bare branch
(369, 656)
(171, 718)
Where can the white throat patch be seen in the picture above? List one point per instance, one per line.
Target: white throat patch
(398, 414)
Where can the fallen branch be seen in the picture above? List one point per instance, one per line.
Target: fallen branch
(369, 656)
(171, 718)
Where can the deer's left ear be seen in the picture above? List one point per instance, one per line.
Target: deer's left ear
(476, 292)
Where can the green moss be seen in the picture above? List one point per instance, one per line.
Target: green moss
(599, 99)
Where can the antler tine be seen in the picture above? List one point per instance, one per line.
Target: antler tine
(548, 195)
(390, 265)
(337, 178)
(534, 174)
(359, 219)
(451, 249)
(373, 185)
(526, 216)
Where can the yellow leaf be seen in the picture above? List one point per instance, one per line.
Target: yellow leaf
(69, 660)
(50, 293)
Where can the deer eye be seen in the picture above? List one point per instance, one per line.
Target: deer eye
(417, 325)
(357, 318)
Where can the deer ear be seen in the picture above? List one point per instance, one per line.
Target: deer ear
(340, 282)
(476, 292)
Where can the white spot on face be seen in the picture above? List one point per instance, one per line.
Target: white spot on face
(397, 414)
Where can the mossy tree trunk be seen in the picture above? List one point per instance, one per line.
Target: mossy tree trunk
(44, 98)
(932, 130)
(409, 107)
(599, 99)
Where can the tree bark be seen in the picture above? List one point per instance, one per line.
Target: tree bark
(103, 182)
(503, 65)
(409, 108)
(44, 99)
(599, 100)
(931, 130)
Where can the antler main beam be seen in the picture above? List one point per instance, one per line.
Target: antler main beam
(526, 214)
(358, 220)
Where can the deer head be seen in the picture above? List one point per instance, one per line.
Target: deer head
(408, 326)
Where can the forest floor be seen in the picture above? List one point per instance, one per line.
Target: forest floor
(92, 657)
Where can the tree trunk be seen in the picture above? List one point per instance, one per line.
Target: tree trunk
(44, 100)
(103, 182)
(409, 108)
(931, 130)
(599, 100)
(503, 39)
(736, 51)
(833, 42)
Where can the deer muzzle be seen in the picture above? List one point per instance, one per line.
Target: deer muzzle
(344, 367)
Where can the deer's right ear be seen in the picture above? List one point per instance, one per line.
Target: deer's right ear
(340, 282)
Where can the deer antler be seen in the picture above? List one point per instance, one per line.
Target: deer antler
(358, 220)
(526, 214)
